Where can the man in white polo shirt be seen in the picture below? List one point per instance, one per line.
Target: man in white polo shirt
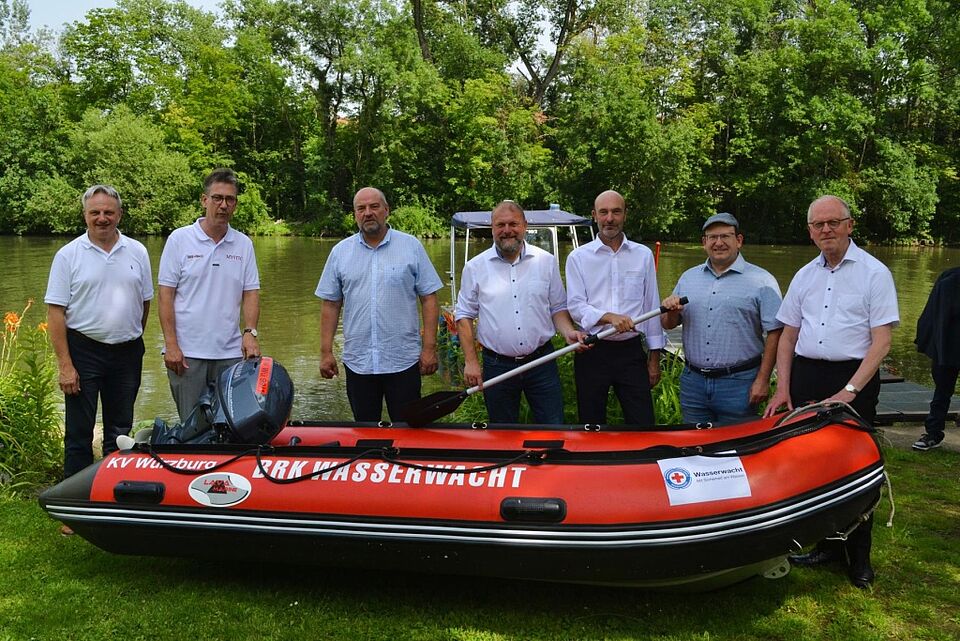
(208, 276)
(98, 296)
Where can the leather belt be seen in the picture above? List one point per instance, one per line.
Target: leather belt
(543, 350)
(717, 372)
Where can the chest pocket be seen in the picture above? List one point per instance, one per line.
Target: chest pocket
(851, 309)
(396, 275)
(632, 284)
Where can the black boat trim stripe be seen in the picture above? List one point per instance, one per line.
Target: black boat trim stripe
(650, 534)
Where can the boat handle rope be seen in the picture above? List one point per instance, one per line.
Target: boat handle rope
(185, 472)
(389, 455)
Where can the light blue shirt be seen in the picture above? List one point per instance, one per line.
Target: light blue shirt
(727, 316)
(379, 287)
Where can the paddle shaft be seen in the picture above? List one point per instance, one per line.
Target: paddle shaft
(589, 340)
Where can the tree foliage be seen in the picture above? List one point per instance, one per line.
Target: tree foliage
(685, 106)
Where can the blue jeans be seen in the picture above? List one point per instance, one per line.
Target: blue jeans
(723, 400)
(541, 386)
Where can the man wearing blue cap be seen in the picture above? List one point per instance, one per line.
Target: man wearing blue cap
(730, 329)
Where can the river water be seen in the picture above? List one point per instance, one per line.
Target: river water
(290, 314)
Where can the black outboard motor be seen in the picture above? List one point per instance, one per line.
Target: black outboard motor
(250, 404)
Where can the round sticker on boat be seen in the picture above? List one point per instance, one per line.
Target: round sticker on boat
(220, 489)
(677, 478)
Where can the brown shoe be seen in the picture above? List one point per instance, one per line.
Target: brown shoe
(66, 530)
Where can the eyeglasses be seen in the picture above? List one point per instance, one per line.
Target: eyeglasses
(833, 224)
(220, 199)
(712, 238)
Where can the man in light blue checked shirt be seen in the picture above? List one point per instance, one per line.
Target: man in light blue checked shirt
(730, 330)
(376, 276)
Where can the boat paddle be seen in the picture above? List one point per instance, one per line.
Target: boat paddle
(439, 404)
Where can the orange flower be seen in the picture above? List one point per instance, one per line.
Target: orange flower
(42, 327)
(12, 321)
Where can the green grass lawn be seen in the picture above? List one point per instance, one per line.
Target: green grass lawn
(56, 588)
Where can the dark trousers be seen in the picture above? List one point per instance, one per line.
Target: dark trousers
(366, 393)
(621, 365)
(945, 380)
(815, 380)
(110, 373)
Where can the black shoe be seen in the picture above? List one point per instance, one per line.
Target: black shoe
(817, 557)
(862, 575)
(927, 442)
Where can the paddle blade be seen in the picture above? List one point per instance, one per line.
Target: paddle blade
(429, 408)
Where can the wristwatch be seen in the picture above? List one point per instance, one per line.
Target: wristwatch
(849, 387)
(253, 330)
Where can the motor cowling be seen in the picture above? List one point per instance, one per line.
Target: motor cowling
(250, 404)
(254, 400)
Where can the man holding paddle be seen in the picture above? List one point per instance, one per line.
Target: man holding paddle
(730, 331)
(611, 280)
(514, 292)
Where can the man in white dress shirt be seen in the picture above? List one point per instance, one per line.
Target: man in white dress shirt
(514, 292)
(610, 281)
(838, 317)
(98, 296)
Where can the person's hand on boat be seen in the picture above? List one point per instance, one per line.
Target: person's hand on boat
(842, 396)
(250, 346)
(174, 359)
(473, 375)
(328, 366)
(69, 379)
(780, 398)
(428, 361)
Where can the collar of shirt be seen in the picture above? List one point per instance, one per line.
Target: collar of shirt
(598, 246)
(88, 244)
(497, 256)
(854, 254)
(386, 238)
(202, 235)
(739, 265)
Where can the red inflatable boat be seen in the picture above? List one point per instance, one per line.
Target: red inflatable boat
(662, 506)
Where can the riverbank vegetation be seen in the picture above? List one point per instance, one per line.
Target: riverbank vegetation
(686, 107)
(65, 588)
(31, 448)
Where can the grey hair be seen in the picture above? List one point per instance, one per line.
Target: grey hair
(828, 197)
(100, 189)
(383, 199)
(510, 205)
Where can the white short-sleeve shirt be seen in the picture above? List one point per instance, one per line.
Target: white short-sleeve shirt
(210, 278)
(103, 292)
(835, 308)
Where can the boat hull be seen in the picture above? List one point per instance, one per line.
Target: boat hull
(604, 507)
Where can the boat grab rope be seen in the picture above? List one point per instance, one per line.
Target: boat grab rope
(388, 454)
